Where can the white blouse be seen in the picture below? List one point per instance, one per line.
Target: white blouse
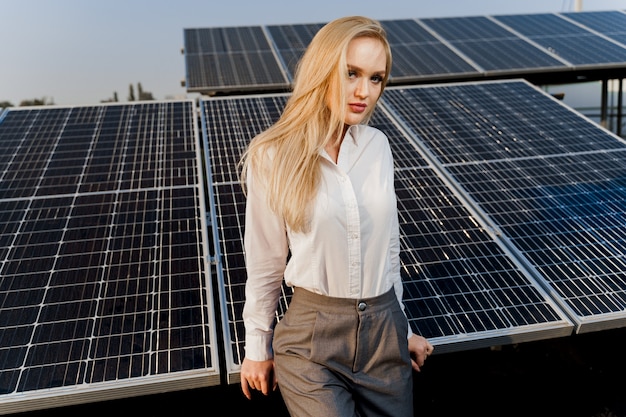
(351, 251)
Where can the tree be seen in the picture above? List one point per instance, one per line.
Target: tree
(37, 102)
(111, 100)
(143, 95)
(4, 104)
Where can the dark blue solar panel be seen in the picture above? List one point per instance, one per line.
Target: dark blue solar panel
(542, 25)
(619, 37)
(609, 23)
(466, 124)
(473, 28)
(567, 215)
(606, 22)
(565, 39)
(458, 280)
(489, 45)
(228, 126)
(225, 40)
(551, 181)
(293, 36)
(291, 41)
(230, 59)
(418, 53)
(427, 61)
(104, 289)
(407, 31)
(253, 59)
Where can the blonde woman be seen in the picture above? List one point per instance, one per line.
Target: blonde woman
(321, 214)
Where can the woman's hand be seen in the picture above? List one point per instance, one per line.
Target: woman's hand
(258, 375)
(419, 348)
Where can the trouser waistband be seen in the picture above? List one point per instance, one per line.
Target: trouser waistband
(306, 298)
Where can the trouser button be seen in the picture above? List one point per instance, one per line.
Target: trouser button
(362, 306)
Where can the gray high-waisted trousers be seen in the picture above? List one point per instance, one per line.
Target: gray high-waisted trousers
(339, 357)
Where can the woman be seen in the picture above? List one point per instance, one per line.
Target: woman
(321, 213)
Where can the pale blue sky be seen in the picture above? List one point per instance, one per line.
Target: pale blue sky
(81, 51)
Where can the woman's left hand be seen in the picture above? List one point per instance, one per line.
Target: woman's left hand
(420, 349)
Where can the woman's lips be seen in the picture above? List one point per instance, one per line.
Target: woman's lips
(357, 107)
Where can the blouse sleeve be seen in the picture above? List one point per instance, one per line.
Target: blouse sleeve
(266, 250)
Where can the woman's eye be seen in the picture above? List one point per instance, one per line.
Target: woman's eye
(351, 74)
(377, 79)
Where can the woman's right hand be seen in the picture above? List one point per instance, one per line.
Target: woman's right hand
(258, 375)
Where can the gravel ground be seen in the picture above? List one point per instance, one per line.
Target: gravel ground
(575, 376)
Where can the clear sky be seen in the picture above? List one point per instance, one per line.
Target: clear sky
(82, 51)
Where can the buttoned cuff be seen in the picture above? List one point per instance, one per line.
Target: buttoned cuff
(259, 348)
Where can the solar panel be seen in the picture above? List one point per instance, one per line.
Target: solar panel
(609, 23)
(419, 55)
(228, 125)
(566, 214)
(455, 275)
(546, 48)
(565, 39)
(230, 59)
(489, 45)
(291, 41)
(502, 122)
(103, 275)
(551, 181)
(462, 288)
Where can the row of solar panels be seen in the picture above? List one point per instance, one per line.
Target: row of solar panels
(104, 281)
(121, 274)
(512, 211)
(558, 47)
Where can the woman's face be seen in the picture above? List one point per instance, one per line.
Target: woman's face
(367, 60)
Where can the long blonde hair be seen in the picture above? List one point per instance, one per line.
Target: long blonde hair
(285, 157)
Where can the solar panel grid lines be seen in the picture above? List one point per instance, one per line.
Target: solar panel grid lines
(573, 42)
(103, 289)
(442, 219)
(228, 125)
(561, 205)
(419, 54)
(290, 41)
(612, 19)
(500, 123)
(489, 45)
(444, 242)
(231, 58)
(425, 50)
(609, 24)
(548, 51)
(451, 250)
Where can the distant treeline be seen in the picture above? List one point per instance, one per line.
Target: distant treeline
(45, 101)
